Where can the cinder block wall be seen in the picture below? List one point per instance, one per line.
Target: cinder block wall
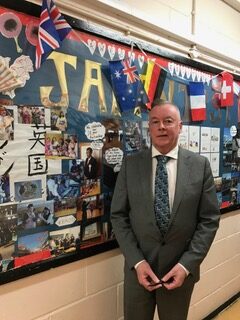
(88, 289)
(175, 16)
(92, 289)
(220, 276)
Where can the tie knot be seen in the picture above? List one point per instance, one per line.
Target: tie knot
(162, 159)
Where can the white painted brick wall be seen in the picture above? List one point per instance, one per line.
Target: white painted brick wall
(217, 24)
(92, 289)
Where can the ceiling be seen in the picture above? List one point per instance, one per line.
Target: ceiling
(235, 4)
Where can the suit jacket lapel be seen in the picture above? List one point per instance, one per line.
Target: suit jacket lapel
(145, 172)
(183, 171)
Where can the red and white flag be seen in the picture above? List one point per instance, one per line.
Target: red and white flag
(227, 94)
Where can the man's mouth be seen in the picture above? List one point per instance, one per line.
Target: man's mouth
(163, 136)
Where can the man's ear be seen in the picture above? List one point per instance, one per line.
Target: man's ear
(180, 126)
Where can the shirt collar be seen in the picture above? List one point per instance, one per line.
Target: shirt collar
(172, 154)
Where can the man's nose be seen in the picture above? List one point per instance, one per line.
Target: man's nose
(161, 125)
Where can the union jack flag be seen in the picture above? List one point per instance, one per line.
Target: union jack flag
(130, 71)
(127, 85)
(53, 28)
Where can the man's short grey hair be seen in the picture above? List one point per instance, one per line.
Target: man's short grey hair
(161, 102)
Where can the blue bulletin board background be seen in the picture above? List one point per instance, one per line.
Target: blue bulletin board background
(75, 80)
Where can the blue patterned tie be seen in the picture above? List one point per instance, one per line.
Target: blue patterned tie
(161, 200)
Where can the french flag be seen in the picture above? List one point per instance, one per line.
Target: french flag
(197, 101)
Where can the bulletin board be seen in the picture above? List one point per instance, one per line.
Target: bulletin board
(64, 138)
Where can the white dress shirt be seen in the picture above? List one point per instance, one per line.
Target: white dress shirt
(172, 178)
(171, 170)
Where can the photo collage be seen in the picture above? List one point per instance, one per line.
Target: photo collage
(228, 185)
(56, 187)
(57, 183)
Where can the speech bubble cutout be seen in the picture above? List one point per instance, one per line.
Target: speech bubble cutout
(97, 145)
(95, 131)
(114, 155)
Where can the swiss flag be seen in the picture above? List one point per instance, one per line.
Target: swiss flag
(227, 94)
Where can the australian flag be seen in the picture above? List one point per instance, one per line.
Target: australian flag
(53, 28)
(127, 85)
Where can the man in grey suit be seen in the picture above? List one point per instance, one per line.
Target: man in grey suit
(162, 268)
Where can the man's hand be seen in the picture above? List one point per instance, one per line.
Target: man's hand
(146, 277)
(174, 278)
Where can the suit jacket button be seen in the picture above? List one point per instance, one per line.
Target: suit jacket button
(163, 243)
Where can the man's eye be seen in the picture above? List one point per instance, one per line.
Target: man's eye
(168, 121)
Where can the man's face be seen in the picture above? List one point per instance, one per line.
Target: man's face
(89, 153)
(164, 127)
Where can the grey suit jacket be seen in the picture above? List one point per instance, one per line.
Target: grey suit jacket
(194, 218)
